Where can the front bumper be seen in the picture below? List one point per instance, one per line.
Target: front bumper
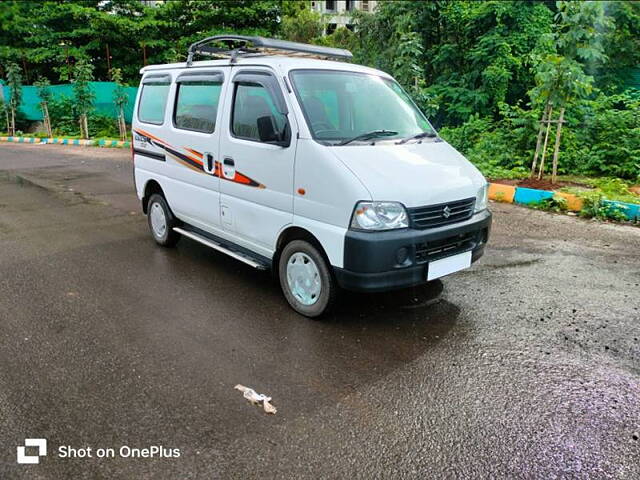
(377, 261)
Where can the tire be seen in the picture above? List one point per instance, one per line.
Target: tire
(306, 279)
(161, 221)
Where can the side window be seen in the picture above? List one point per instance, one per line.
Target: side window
(197, 106)
(251, 103)
(153, 101)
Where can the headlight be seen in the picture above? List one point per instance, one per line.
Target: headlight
(379, 216)
(482, 198)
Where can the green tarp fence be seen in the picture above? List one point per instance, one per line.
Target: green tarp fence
(103, 103)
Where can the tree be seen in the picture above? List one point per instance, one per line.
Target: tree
(560, 77)
(407, 66)
(621, 45)
(14, 80)
(4, 108)
(475, 54)
(83, 94)
(49, 36)
(179, 23)
(120, 100)
(305, 26)
(42, 86)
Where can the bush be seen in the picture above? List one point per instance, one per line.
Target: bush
(65, 120)
(611, 134)
(601, 138)
(594, 207)
(500, 149)
(552, 204)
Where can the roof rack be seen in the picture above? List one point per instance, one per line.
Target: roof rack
(235, 46)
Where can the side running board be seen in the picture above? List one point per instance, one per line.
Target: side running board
(219, 247)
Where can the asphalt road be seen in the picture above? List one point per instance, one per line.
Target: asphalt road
(527, 365)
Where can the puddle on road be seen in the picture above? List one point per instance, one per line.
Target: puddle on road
(71, 197)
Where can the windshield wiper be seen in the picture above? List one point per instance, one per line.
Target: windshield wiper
(417, 137)
(369, 135)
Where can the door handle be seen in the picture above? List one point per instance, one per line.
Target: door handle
(209, 162)
(228, 168)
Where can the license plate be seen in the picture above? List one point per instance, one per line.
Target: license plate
(448, 265)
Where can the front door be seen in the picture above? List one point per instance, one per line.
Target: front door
(257, 156)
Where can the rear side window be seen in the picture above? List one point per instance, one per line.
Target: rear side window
(153, 101)
(197, 106)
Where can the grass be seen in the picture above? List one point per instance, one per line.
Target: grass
(612, 188)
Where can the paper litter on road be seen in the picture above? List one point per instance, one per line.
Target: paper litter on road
(257, 398)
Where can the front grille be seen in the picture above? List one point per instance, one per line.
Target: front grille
(430, 251)
(436, 216)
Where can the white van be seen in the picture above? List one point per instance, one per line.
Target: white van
(324, 171)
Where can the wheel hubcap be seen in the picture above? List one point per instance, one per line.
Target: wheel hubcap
(303, 278)
(158, 220)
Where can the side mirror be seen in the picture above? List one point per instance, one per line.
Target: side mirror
(266, 130)
(268, 134)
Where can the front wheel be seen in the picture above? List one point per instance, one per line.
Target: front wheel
(306, 279)
(161, 221)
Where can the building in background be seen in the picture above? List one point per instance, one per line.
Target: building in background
(337, 13)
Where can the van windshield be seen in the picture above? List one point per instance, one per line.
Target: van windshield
(340, 106)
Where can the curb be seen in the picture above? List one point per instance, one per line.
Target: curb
(69, 141)
(526, 196)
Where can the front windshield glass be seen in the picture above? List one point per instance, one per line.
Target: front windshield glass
(339, 106)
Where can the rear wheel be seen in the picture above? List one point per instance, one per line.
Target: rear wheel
(161, 221)
(306, 280)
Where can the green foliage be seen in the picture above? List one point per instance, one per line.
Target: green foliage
(304, 26)
(64, 119)
(82, 92)
(581, 29)
(608, 139)
(50, 36)
(4, 119)
(14, 81)
(595, 207)
(102, 126)
(475, 55)
(553, 204)
(577, 44)
(480, 70)
(560, 80)
(621, 45)
(613, 189)
(43, 90)
(601, 138)
(173, 26)
(120, 97)
(500, 149)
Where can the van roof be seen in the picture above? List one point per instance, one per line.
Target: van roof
(281, 62)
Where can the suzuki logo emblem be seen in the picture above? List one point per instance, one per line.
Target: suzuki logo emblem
(446, 212)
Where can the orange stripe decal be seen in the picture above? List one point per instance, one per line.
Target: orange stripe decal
(195, 152)
(195, 160)
(147, 134)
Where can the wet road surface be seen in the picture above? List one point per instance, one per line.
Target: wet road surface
(527, 365)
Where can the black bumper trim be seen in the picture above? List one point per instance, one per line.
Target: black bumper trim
(392, 280)
(372, 263)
